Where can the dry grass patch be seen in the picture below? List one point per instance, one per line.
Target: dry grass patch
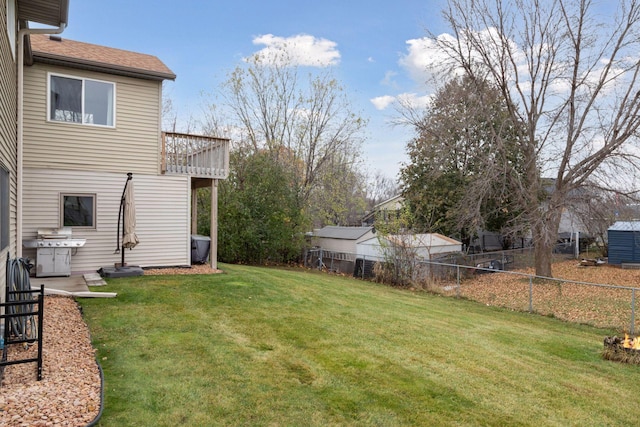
(566, 299)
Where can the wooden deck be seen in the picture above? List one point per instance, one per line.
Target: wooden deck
(198, 156)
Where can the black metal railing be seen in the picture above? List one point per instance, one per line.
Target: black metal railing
(19, 309)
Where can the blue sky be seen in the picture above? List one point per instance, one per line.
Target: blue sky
(367, 42)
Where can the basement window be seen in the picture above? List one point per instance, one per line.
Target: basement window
(80, 100)
(78, 210)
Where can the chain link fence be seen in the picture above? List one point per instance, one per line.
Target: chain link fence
(490, 278)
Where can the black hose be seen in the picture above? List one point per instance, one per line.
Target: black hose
(22, 327)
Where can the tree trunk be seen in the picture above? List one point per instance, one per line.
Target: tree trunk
(542, 253)
(545, 234)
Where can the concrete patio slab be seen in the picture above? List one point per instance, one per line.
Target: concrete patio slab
(75, 286)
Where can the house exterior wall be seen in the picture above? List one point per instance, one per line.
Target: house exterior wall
(341, 245)
(371, 249)
(337, 245)
(162, 216)
(133, 145)
(570, 222)
(8, 130)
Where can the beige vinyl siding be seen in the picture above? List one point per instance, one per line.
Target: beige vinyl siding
(162, 216)
(342, 245)
(133, 145)
(8, 101)
(337, 245)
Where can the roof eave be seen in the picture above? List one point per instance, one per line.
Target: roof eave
(54, 13)
(64, 61)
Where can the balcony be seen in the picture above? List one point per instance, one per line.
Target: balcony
(195, 155)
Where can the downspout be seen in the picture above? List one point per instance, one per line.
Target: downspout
(20, 122)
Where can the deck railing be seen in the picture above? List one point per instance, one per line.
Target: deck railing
(195, 155)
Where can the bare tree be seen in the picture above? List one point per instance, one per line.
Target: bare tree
(307, 124)
(573, 82)
(380, 188)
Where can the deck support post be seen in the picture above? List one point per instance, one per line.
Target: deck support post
(213, 250)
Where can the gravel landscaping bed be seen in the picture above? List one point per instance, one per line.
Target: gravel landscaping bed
(194, 269)
(69, 392)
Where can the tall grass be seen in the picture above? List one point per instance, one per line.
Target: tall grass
(259, 346)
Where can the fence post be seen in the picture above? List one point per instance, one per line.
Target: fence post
(633, 311)
(320, 261)
(458, 281)
(40, 329)
(530, 294)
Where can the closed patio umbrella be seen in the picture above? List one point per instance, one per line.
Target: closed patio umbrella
(129, 238)
(126, 218)
(127, 214)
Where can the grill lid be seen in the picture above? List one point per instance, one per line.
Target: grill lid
(54, 233)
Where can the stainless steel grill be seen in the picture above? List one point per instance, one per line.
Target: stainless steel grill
(54, 250)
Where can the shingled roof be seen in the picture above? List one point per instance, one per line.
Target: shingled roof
(69, 53)
(345, 233)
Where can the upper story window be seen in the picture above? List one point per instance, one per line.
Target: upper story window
(79, 100)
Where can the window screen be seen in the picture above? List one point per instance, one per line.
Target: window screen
(77, 100)
(66, 99)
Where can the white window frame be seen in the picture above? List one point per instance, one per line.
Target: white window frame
(83, 80)
(81, 227)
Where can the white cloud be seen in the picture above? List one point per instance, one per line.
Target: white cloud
(411, 100)
(415, 100)
(389, 79)
(425, 59)
(382, 102)
(301, 49)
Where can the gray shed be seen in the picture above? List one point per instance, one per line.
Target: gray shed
(624, 242)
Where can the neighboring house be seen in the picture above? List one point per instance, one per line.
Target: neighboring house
(624, 242)
(92, 114)
(570, 220)
(341, 239)
(387, 210)
(423, 246)
(13, 34)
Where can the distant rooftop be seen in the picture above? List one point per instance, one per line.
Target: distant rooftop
(346, 233)
(69, 53)
(625, 226)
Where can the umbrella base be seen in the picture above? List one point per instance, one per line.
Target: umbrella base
(126, 271)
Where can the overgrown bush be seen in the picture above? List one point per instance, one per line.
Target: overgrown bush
(260, 220)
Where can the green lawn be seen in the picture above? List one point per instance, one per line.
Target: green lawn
(263, 346)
